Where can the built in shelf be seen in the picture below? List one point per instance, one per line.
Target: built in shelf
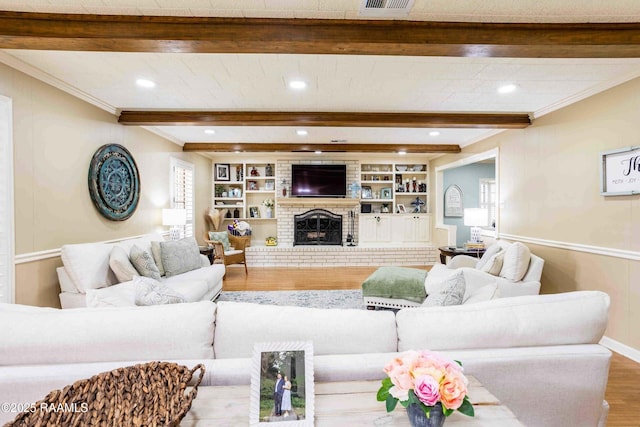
(334, 201)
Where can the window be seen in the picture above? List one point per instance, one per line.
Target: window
(6, 202)
(182, 191)
(488, 199)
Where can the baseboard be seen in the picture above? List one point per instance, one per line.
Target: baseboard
(623, 349)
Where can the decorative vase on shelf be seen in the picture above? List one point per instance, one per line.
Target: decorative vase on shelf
(269, 212)
(418, 418)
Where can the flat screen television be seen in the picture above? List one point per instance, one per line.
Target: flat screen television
(318, 180)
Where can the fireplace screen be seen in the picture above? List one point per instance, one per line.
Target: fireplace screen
(317, 227)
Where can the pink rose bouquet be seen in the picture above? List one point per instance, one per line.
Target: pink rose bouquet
(425, 378)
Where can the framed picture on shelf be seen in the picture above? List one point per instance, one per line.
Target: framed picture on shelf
(254, 211)
(252, 185)
(222, 172)
(385, 193)
(282, 384)
(366, 192)
(401, 208)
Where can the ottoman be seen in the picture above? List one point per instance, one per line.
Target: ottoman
(394, 287)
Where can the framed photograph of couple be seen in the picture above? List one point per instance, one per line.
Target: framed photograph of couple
(282, 390)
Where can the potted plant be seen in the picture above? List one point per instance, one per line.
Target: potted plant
(428, 385)
(218, 190)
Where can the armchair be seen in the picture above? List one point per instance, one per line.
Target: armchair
(528, 284)
(227, 248)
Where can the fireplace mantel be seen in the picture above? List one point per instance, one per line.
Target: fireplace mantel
(328, 201)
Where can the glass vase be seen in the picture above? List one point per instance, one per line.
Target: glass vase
(418, 418)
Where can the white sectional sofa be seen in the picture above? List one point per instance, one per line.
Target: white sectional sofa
(86, 279)
(538, 354)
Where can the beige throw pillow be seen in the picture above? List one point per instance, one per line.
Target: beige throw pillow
(516, 262)
(156, 251)
(489, 253)
(143, 262)
(452, 292)
(494, 264)
(121, 265)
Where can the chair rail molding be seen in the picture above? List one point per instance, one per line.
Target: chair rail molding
(578, 247)
(54, 253)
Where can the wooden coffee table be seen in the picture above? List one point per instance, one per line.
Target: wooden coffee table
(348, 404)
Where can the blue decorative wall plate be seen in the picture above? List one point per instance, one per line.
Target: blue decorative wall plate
(114, 184)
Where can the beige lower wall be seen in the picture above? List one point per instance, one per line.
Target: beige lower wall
(549, 190)
(55, 137)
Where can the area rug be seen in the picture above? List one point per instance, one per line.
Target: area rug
(351, 298)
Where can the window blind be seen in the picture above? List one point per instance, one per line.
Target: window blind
(182, 198)
(488, 199)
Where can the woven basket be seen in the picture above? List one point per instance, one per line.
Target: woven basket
(151, 394)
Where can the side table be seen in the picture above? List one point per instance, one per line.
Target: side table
(208, 251)
(452, 251)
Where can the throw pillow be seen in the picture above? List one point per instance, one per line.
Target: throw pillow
(151, 292)
(494, 264)
(516, 262)
(180, 256)
(485, 293)
(156, 251)
(143, 262)
(120, 265)
(222, 237)
(490, 252)
(396, 282)
(452, 292)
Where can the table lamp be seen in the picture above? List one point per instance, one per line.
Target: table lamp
(475, 218)
(174, 218)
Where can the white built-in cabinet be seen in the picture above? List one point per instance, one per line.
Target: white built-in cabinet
(375, 228)
(396, 229)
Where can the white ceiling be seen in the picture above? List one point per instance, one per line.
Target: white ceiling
(243, 82)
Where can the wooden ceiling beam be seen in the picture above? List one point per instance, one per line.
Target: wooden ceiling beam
(121, 33)
(325, 119)
(311, 148)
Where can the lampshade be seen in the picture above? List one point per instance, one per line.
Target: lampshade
(174, 216)
(476, 217)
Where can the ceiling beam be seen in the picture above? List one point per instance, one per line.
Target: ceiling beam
(310, 148)
(110, 33)
(325, 119)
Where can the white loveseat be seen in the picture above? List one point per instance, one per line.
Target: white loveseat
(86, 279)
(538, 354)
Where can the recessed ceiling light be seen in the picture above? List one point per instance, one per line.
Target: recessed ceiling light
(301, 132)
(209, 131)
(507, 88)
(434, 133)
(237, 151)
(145, 83)
(402, 153)
(297, 84)
(318, 152)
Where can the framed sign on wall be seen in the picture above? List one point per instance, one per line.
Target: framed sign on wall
(453, 202)
(620, 172)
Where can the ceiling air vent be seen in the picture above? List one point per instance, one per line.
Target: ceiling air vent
(386, 8)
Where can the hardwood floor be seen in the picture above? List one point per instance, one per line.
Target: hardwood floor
(623, 388)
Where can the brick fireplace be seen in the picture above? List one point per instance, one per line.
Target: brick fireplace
(317, 227)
